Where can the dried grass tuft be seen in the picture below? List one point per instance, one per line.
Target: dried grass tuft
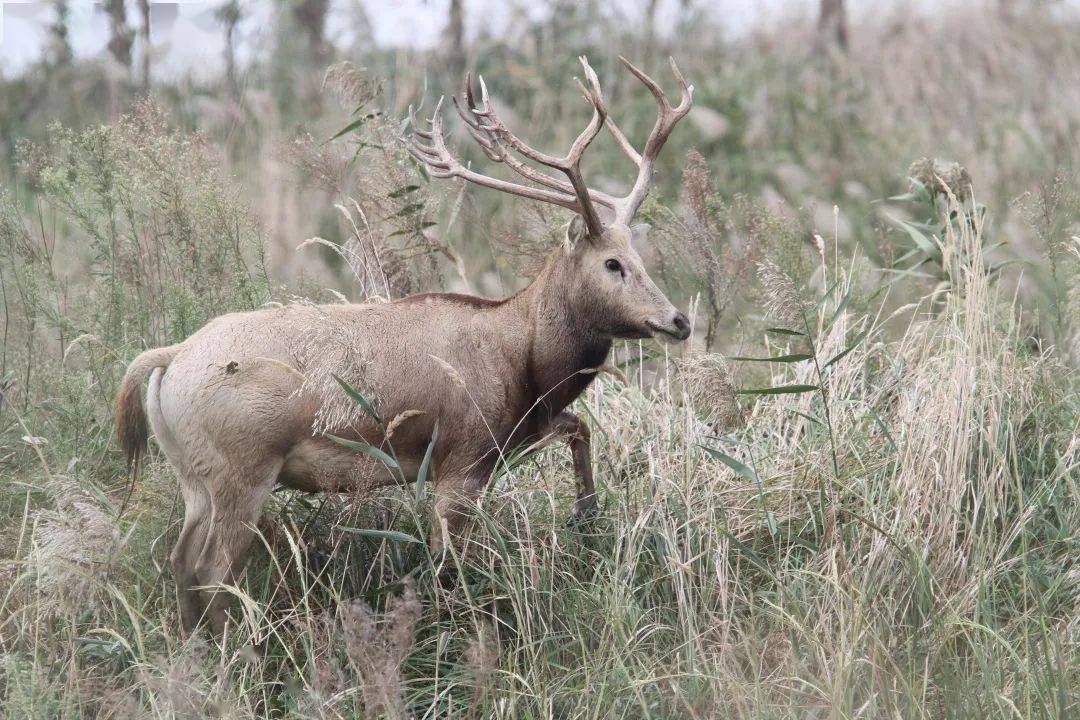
(376, 650)
(450, 371)
(353, 86)
(708, 383)
(481, 662)
(783, 302)
(399, 419)
(941, 177)
(75, 545)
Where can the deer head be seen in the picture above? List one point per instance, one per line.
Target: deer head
(597, 270)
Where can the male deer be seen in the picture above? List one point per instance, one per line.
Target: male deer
(235, 414)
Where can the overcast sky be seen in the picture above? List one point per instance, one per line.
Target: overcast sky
(187, 38)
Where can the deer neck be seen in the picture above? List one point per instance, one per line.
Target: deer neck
(561, 341)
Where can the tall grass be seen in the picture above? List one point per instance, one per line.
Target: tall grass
(895, 540)
(143, 240)
(865, 506)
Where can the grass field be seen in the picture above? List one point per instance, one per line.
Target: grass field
(854, 493)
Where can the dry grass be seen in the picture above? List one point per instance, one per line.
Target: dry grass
(927, 573)
(894, 538)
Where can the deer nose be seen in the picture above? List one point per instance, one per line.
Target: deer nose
(682, 325)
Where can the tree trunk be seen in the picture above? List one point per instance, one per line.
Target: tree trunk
(121, 36)
(58, 51)
(455, 37)
(311, 16)
(650, 31)
(229, 16)
(832, 24)
(144, 12)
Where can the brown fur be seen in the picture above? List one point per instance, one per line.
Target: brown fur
(233, 412)
(246, 402)
(132, 431)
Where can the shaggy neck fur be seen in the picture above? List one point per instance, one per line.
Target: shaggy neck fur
(561, 337)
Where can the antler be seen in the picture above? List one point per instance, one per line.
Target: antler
(497, 142)
(489, 135)
(493, 136)
(667, 116)
(442, 164)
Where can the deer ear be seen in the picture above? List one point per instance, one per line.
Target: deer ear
(576, 232)
(639, 232)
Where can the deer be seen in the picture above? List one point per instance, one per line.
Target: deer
(233, 414)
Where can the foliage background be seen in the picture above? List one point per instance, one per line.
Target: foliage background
(896, 189)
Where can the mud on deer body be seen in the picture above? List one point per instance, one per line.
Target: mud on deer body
(517, 363)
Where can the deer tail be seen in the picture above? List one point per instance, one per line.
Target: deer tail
(132, 430)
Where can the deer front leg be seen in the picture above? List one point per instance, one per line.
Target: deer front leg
(455, 495)
(579, 438)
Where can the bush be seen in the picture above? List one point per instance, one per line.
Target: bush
(147, 241)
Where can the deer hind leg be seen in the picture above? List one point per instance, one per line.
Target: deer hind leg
(197, 508)
(237, 500)
(188, 548)
(579, 438)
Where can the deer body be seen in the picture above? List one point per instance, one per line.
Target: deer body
(235, 416)
(229, 389)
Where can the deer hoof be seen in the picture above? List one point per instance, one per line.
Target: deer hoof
(582, 515)
(446, 578)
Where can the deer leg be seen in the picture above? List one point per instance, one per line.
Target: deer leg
(237, 506)
(189, 545)
(455, 495)
(579, 438)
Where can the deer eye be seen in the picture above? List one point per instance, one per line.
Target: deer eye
(613, 265)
